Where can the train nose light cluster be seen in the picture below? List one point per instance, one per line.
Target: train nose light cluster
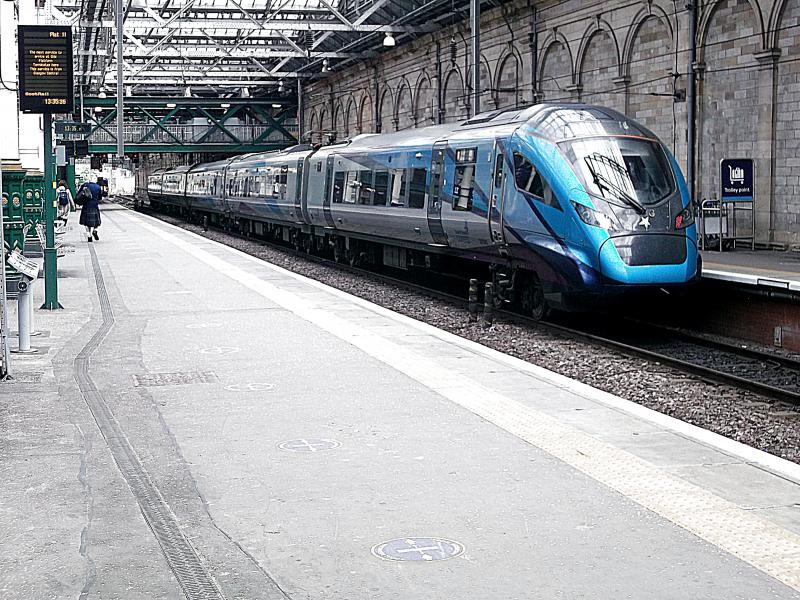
(685, 218)
(595, 218)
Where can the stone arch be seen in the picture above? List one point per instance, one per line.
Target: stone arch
(323, 123)
(785, 206)
(646, 15)
(424, 103)
(729, 121)
(404, 106)
(313, 123)
(455, 108)
(722, 5)
(598, 27)
(350, 117)
(556, 72)
(386, 111)
(337, 124)
(366, 122)
(599, 69)
(650, 66)
(507, 80)
(775, 24)
(488, 95)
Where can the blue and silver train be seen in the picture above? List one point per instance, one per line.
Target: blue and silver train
(563, 203)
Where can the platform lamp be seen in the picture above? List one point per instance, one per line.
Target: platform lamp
(389, 40)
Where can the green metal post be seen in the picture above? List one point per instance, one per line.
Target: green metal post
(50, 266)
(70, 175)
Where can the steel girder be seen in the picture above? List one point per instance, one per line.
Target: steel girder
(219, 47)
(193, 125)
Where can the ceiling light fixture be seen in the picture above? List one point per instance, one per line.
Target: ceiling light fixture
(276, 105)
(171, 105)
(225, 105)
(389, 41)
(101, 95)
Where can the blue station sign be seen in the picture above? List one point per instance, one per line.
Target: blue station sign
(737, 179)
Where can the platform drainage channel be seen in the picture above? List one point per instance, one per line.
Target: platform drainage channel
(186, 378)
(195, 581)
(418, 549)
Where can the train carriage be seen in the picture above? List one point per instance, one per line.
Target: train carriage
(564, 202)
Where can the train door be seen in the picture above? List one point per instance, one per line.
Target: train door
(299, 205)
(435, 196)
(497, 198)
(326, 200)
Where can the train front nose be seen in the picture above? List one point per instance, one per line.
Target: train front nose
(648, 258)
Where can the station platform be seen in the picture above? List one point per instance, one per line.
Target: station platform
(199, 423)
(779, 271)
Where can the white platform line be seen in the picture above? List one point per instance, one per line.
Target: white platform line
(754, 540)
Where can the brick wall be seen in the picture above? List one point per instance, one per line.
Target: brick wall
(612, 52)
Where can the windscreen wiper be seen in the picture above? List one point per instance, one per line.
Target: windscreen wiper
(605, 183)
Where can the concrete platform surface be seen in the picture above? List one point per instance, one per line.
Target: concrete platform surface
(202, 424)
(762, 268)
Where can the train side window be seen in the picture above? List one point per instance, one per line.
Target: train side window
(398, 188)
(381, 188)
(498, 170)
(417, 188)
(464, 179)
(351, 187)
(367, 189)
(528, 179)
(338, 186)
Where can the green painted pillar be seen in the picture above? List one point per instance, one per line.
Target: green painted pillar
(70, 174)
(50, 264)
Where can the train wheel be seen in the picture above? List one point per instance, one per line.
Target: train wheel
(533, 300)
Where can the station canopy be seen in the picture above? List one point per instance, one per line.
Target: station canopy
(238, 48)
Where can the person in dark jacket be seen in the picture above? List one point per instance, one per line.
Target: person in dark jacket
(90, 211)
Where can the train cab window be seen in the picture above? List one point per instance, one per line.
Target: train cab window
(338, 186)
(381, 185)
(528, 179)
(464, 179)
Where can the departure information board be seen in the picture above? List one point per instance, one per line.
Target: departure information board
(45, 69)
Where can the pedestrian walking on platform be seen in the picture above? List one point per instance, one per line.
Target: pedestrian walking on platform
(66, 203)
(89, 200)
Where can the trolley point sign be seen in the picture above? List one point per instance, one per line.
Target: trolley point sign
(45, 69)
(736, 178)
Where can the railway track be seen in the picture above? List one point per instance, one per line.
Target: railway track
(769, 374)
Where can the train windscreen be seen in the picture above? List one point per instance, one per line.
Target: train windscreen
(630, 172)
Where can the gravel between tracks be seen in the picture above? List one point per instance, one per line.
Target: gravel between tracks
(740, 415)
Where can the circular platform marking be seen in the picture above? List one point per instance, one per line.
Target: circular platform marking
(219, 350)
(419, 549)
(249, 387)
(203, 325)
(309, 445)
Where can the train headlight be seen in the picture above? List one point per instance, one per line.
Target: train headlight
(595, 218)
(685, 218)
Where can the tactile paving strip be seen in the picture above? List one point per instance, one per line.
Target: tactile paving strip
(196, 582)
